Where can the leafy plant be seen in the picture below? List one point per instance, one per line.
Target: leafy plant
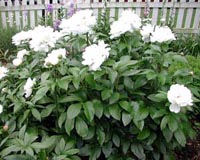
(62, 102)
(6, 46)
(188, 44)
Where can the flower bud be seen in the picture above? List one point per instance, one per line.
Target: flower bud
(5, 127)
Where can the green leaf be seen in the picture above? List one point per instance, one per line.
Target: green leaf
(89, 110)
(126, 106)
(47, 111)
(180, 58)
(64, 82)
(18, 157)
(18, 106)
(36, 114)
(128, 83)
(158, 113)
(8, 150)
(100, 136)
(162, 96)
(151, 75)
(138, 150)
(141, 113)
(180, 137)
(113, 76)
(107, 149)
(125, 146)
(139, 124)
(106, 93)
(173, 124)
(130, 72)
(126, 118)
(98, 108)
(41, 93)
(164, 122)
(115, 111)
(114, 98)
(73, 110)
(116, 140)
(69, 125)
(62, 119)
(167, 134)
(143, 134)
(48, 142)
(81, 127)
(72, 152)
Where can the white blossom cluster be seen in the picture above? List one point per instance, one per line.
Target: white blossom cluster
(20, 55)
(40, 39)
(95, 55)
(3, 71)
(81, 22)
(179, 96)
(156, 33)
(128, 22)
(28, 87)
(54, 57)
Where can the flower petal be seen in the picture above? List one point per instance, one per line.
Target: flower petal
(174, 108)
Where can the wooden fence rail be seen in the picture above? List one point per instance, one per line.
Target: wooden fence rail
(185, 14)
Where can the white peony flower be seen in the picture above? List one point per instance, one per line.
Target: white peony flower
(81, 22)
(54, 57)
(1, 108)
(3, 71)
(128, 22)
(95, 55)
(28, 87)
(17, 61)
(179, 96)
(21, 37)
(22, 53)
(43, 38)
(162, 34)
(146, 31)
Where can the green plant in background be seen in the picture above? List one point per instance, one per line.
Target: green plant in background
(95, 92)
(189, 44)
(6, 46)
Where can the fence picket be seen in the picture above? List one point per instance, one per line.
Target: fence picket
(186, 16)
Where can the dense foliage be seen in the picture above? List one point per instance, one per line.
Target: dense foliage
(95, 91)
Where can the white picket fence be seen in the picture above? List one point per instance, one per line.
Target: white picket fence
(185, 13)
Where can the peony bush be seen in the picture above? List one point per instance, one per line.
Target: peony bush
(94, 90)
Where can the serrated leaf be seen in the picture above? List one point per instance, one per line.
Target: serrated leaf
(81, 127)
(73, 110)
(126, 118)
(115, 111)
